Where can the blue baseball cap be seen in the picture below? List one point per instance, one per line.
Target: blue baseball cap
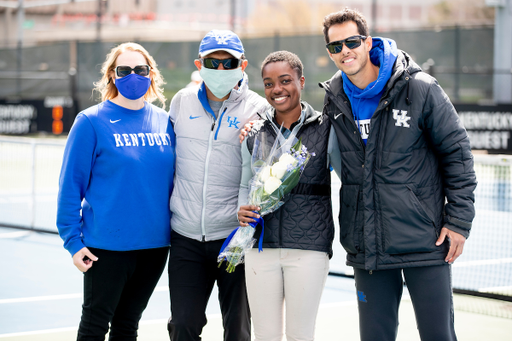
(221, 40)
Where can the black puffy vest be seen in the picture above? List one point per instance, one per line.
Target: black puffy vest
(305, 220)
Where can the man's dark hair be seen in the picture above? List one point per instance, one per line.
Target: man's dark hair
(343, 16)
(284, 56)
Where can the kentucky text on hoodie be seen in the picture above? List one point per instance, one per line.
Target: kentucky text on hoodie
(118, 170)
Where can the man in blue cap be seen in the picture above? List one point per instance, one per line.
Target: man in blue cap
(207, 120)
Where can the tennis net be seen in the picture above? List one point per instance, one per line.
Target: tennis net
(483, 272)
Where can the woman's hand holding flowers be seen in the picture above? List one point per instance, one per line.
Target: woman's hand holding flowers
(246, 212)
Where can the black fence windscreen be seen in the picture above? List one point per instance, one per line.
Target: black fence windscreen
(461, 60)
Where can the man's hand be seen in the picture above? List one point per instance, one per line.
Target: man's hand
(84, 259)
(246, 212)
(245, 130)
(456, 244)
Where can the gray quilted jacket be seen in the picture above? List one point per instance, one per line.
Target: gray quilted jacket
(204, 201)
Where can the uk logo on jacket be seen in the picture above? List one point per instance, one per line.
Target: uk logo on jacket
(401, 118)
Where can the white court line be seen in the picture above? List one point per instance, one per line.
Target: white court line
(151, 322)
(39, 298)
(25, 199)
(496, 289)
(164, 321)
(57, 297)
(39, 332)
(482, 262)
(339, 304)
(70, 329)
(18, 234)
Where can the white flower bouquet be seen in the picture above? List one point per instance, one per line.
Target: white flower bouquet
(274, 176)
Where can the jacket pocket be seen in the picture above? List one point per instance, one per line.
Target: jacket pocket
(407, 227)
(349, 224)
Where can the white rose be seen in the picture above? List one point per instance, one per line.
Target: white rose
(279, 169)
(265, 173)
(271, 185)
(288, 159)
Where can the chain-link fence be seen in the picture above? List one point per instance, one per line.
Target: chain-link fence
(460, 58)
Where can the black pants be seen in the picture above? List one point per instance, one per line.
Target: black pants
(193, 270)
(117, 289)
(379, 297)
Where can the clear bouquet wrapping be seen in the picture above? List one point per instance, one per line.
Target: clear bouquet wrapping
(276, 171)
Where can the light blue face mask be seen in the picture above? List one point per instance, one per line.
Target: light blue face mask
(221, 82)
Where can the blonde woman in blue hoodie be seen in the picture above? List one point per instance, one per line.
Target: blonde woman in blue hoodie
(113, 203)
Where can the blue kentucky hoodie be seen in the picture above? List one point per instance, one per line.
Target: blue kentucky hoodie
(364, 101)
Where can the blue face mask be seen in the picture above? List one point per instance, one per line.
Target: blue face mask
(221, 82)
(133, 86)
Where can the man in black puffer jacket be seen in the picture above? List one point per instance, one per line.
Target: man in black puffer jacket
(407, 202)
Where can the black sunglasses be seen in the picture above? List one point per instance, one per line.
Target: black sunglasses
(229, 64)
(351, 42)
(141, 70)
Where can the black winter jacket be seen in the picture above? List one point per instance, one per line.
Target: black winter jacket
(414, 176)
(305, 219)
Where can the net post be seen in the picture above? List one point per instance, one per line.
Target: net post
(33, 184)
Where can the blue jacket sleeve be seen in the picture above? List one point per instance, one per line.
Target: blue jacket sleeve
(75, 174)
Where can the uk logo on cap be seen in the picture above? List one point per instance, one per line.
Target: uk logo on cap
(221, 40)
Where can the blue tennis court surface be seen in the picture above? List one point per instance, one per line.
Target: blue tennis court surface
(41, 297)
(41, 289)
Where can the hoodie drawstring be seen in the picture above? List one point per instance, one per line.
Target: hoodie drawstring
(408, 79)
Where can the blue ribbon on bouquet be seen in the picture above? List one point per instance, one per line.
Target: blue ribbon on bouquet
(253, 224)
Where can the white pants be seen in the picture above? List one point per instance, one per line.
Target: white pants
(276, 276)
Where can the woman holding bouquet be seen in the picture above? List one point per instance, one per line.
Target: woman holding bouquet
(297, 240)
